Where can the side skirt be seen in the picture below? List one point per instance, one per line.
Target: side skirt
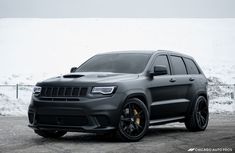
(167, 120)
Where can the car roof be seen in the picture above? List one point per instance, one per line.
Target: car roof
(131, 51)
(148, 52)
(174, 53)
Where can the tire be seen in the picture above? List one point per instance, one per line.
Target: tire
(198, 119)
(134, 120)
(50, 134)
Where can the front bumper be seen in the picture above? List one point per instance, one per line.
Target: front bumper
(86, 115)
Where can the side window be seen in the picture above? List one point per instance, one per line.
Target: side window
(162, 60)
(178, 65)
(191, 66)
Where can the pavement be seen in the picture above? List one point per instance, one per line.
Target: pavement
(16, 137)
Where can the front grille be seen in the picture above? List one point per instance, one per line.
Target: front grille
(103, 120)
(62, 120)
(63, 92)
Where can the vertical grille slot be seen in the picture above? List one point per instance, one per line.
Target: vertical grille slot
(54, 92)
(49, 92)
(68, 92)
(75, 92)
(43, 92)
(83, 92)
(61, 92)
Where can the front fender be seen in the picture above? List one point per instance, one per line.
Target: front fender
(143, 95)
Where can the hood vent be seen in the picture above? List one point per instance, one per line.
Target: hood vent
(73, 76)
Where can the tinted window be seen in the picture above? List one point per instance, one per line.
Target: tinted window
(116, 63)
(162, 60)
(191, 66)
(178, 65)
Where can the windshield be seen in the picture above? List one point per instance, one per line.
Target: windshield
(116, 63)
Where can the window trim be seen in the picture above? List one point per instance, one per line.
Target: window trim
(199, 72)
(173, 71)
(162, 54)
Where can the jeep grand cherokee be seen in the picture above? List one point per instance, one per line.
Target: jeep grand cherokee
(122, 93)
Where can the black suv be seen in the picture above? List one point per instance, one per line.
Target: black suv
(122, 93)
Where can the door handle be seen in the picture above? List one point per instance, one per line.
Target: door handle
(191, 79)
(172, 80)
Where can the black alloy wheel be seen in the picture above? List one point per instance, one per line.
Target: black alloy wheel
(198, 120)
(202, 113)
(134, 120)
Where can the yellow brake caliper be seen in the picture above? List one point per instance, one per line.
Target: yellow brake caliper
(137, 119)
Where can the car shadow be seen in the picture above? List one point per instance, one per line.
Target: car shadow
(109, 138)
(78, 137)
(161, 131)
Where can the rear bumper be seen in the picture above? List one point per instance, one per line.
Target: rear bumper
(87, 115)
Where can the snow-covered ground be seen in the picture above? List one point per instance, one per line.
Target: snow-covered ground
(221, 89)
(12, 106)
(221, 96)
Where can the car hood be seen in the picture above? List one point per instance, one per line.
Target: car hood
(92, 77)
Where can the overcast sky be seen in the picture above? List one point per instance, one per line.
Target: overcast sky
(53, 44)
(117, 8)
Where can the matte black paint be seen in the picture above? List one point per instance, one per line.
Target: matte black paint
(168, 97)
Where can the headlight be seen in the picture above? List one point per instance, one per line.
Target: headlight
(103, 90)
(37, 90)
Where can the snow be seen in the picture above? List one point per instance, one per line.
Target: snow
(222, 105)
(221, 95)
(10, 105)
(223, 70)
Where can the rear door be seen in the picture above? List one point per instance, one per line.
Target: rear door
(196, 78)
(182, 84)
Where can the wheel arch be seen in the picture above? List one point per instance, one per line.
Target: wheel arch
(194, 98)
(204, 95)
(198, 94)
(141, 96)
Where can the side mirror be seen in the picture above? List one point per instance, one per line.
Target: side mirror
(159, 70)
(73, 69)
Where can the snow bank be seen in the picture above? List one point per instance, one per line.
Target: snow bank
(222, 105)
(12, 106)
(221, 96)
(9, 105)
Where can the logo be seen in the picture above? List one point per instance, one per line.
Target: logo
(210, 150)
